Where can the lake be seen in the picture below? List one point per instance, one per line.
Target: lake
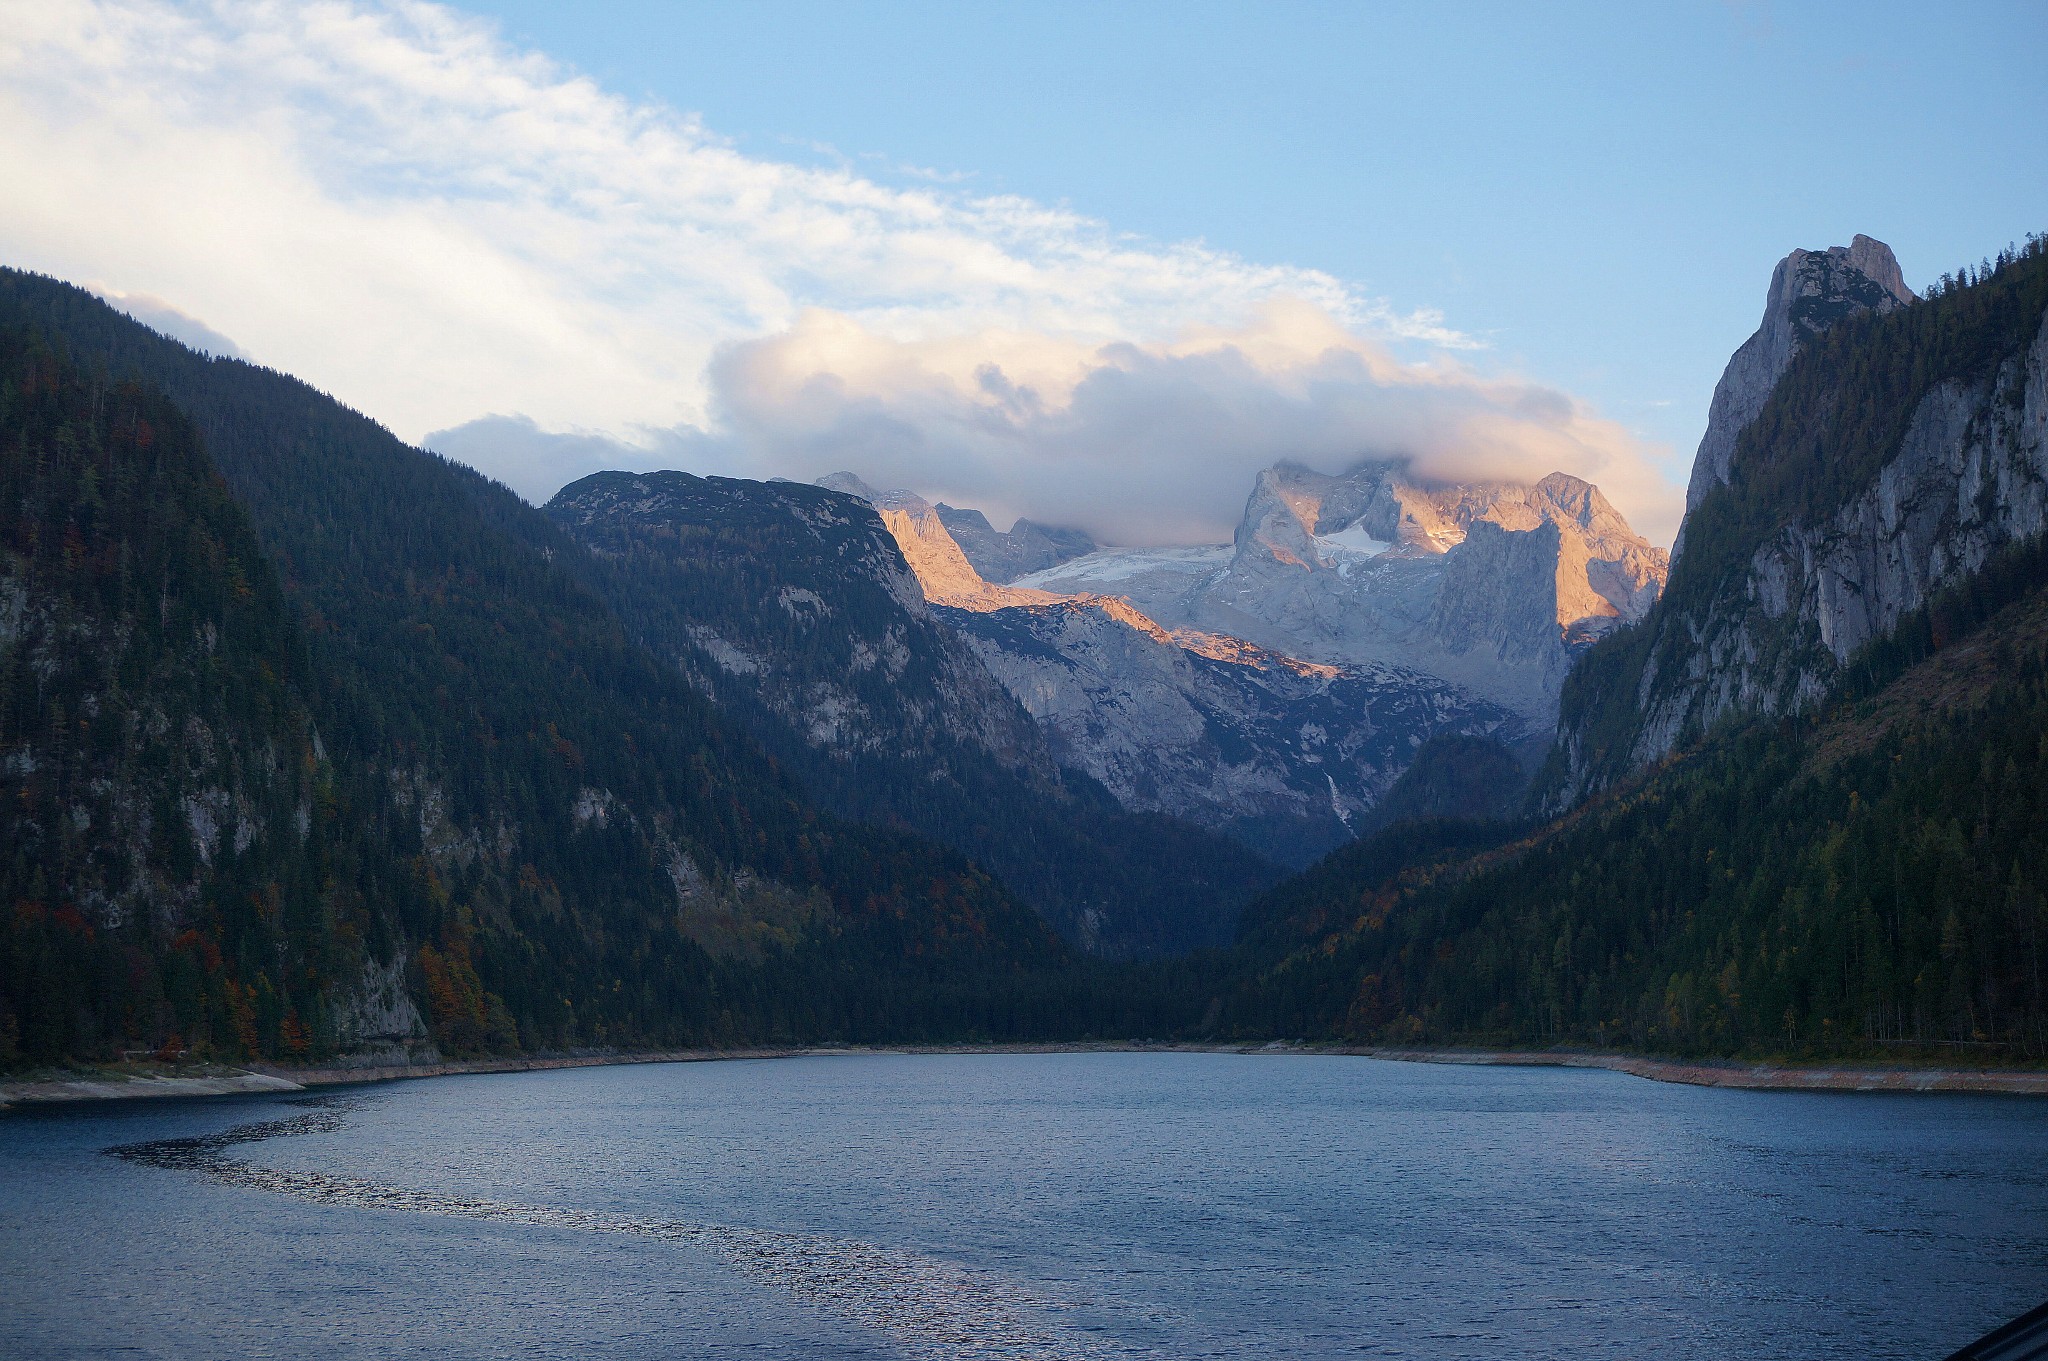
(1047, 1205)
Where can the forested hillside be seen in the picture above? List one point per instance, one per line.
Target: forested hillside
(180, 867)
(1866, 881)
(591, 853)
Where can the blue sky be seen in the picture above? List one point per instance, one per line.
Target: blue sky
(1598, 190)
(1092, 263)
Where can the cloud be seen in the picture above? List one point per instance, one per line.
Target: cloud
(394, 204)
(537, 463)
(166, 319)
(1146, 443)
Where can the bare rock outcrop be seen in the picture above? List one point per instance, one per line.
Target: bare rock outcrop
(1970, 478)
(1493, 587)
(1027, 547)
(1284, 753)
(1810, 292)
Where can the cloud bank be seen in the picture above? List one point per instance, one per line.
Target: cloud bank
(392, 203)
(1143, 443)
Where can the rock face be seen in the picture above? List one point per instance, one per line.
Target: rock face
(1283, 753)
(1028, 547)
(1810, 292)
(927, 546)
(1289, 755)
(1493, 587)
(819, 620)
(1779, 596)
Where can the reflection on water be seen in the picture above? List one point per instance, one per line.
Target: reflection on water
(1060, 1205)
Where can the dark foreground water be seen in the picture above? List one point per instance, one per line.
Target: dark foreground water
(1072, 1205)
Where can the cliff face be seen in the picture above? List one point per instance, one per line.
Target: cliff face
(1003, 557)
(1493, 587)
(1285, 755)
(1894, 459)
(1810, 292)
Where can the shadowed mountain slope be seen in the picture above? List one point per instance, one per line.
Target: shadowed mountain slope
(794, 608)
(1284, 755)
(592, 840)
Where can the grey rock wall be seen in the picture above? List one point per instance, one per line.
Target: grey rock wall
(1223, 734)
(1810, 292)
(1969, 479)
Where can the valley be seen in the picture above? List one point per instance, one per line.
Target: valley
(680, 761)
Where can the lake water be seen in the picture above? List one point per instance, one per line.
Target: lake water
(1060, 1205)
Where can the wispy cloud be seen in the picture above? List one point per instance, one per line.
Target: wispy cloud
(392, 202)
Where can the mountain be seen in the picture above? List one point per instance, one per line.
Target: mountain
(1810, 291)
(1844, 848)
(941, 569)
(1003, 557)
(1491, 587)
(1901, 450)
(1286, 755)
(1458, 776)
(591, 852)
(795, 610)
(180, 865)
(1283, 755)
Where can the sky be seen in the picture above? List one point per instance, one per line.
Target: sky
(1096, 264)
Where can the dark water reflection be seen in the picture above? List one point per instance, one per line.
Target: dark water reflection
(1085, 1205)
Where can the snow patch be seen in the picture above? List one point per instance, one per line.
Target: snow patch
(1121, 564)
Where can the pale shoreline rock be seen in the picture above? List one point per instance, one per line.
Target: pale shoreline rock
(1729, 1073)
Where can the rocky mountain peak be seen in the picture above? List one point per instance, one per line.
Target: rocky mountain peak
(1603, 570)
(1027, 547)
(935, 558)
(1492, 586)
(1846, 534)
(1811, 291)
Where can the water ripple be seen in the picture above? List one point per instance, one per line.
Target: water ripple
(928, 1307)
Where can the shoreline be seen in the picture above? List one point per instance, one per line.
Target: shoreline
(114, 1085)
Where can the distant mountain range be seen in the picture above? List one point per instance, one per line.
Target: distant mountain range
(1274, 689)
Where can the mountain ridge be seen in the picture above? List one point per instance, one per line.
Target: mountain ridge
(1285, 755)
(1900, 450)
(1493, 586)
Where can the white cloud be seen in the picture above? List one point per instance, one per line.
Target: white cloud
(165, 319)
(393, 204)
(1145, 443)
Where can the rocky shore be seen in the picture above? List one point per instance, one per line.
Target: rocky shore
(1752, 1076)
(168, 1080)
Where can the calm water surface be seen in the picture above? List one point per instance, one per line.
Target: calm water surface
(1067, 1205)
